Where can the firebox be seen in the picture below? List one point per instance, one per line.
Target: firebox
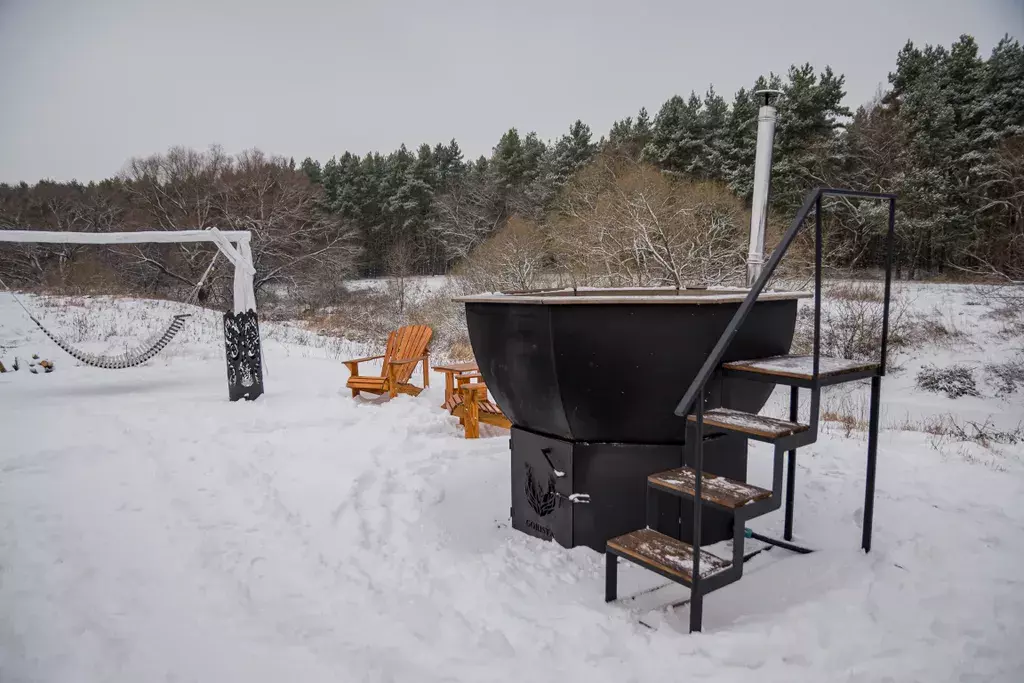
(578, 493)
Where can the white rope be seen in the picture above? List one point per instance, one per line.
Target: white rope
(194, 296)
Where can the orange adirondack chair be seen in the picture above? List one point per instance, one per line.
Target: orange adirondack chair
(406, 347)
(469, 402)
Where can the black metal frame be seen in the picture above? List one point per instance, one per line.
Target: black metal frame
(698, 387)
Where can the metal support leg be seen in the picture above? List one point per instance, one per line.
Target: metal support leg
(696, 597)
(610, 577)
(653, 522)
(869, 480)
(794, 405)
(696, 609)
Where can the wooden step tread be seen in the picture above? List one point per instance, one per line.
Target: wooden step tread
(801, 367)
(649, 548)
(748, 423)
(721, 490)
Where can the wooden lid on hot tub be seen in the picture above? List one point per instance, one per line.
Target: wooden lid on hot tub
(631, 295)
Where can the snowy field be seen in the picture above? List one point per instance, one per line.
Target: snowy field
(152, 531)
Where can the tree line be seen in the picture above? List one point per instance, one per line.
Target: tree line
(947, 135)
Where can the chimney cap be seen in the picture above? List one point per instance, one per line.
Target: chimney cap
(769, 94)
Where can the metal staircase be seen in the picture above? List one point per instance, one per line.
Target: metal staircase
(687, 564)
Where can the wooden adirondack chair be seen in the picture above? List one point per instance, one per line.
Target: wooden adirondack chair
(469, 402)
(406, 347)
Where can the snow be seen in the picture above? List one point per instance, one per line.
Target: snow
(152, 530)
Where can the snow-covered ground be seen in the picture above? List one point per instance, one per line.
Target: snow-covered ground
(151, 530)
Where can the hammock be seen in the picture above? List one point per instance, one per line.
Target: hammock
(141, 353)
(137, 356)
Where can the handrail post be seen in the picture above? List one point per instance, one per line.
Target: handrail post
(817, 288)
(696, 599)
(889, 238)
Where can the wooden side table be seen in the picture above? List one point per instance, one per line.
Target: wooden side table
(450, 371)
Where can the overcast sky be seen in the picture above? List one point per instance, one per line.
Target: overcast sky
(85, 85)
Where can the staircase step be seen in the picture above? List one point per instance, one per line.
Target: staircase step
(667, 556)
(802, 367)
(722, 491)
(759, 426)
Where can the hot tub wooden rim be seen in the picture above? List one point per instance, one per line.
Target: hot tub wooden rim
(637, 296)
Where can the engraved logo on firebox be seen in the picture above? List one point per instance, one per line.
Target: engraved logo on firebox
(542, 502)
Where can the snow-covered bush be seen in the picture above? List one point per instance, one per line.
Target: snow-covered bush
(954, 381)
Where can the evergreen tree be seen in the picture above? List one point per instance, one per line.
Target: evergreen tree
(448, 163)
(312, 169)
(642, 128)
(533, 151)
(508, 163)
(629, 137)
(709, 139)
(672, 137)
(810, 113)
(741, 142)
(571, 152)
(1001, 106)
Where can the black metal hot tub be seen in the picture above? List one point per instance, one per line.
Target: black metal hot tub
(590, 380)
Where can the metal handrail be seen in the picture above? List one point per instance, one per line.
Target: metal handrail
(811, 200)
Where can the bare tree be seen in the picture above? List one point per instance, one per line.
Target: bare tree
(292, 237)
(399, 263)
(627, 223)
(463, 217)
(1001, 253)
(513, 259)
(183, 189)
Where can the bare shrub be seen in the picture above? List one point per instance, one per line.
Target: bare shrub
(448, 320)
(852, 290)
(954, 381)
(1006, 306)
(983, 433)
(849, 423)
(368, 315)
(620, 222)
(851, 325)
(950, 427)
(931, 328)
(1006, 377)
(362, 315)
(513, 259)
